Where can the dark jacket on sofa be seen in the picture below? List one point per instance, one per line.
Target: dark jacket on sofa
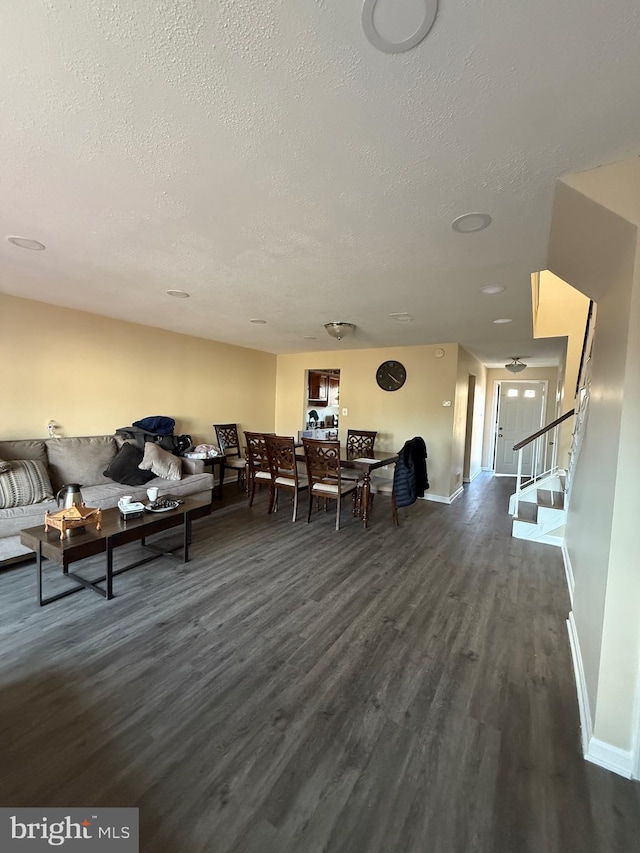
(410, 478)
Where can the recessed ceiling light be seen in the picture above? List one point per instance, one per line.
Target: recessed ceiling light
(470, 222)
(389, 42)
(491, 289)
(310, 338)
(26, 243)
(502, 320)
(259, 322)
(402, 317)
(179, 294)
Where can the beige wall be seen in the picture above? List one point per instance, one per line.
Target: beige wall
(562, 311)
(92, 375)
(550, 374)
(415, 409)
(597, 251)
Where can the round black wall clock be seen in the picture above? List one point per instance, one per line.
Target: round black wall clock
(391, 375)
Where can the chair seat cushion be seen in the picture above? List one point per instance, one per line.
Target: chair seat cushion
(262, 475)
(333, 488)
(234, 462)
(303, 483)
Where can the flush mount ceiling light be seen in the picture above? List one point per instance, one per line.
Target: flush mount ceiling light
(26, 243)
(179, 294)
(470, 222)
(515, 365)
(385, 27)
(402, 317)
(502, 320)
(491, 289)
(339, 330)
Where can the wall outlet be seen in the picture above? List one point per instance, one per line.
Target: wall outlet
(345, 413)
(446, 402)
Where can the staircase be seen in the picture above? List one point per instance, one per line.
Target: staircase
(539, 504)
(541, 509)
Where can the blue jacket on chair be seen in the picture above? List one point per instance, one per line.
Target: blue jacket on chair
(410, 478)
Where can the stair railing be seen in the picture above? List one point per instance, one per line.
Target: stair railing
(541, 466)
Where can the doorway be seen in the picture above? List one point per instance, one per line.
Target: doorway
(520, 412)
(321, 404)
(471, 396)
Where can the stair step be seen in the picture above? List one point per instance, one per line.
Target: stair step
(553, 500)
(527, 512)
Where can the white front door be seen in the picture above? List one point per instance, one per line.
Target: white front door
(521, 408)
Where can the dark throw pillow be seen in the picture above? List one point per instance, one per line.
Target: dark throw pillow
(123, 468)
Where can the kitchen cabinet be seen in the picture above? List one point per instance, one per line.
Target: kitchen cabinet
(334, 390)
(318, 388)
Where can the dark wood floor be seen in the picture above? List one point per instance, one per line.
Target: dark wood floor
(297, 690)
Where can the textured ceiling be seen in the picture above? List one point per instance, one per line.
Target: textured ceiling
(263, 156)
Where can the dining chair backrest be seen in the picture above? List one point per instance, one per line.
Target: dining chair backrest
(360, 442)
(281, 452)
(256, 452)
(322, 459)
(228, 440)
(257, 462)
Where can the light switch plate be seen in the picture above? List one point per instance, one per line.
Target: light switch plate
(345, 413)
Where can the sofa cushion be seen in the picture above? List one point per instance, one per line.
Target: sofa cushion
(25, 483)
(24, 448)
(80, 460)
(4, 466)
(123, 468)
(161, 462)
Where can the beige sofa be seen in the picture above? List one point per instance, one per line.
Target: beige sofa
(82, 460)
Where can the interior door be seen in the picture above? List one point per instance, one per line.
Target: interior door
(521, 408)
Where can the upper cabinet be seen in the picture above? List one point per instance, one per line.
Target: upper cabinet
(334, 390)
(324, 388)
(318, 387)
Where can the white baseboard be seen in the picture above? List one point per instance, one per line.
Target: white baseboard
(487, 469)
(474, 475)
(568, 569)
(620, 761)
(586, 725)
(442, 499)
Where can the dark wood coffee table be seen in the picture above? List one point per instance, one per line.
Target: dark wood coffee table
(116, 531)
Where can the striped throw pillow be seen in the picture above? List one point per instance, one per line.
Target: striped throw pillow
(26, 482)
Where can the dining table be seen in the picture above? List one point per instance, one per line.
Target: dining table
(366, 464)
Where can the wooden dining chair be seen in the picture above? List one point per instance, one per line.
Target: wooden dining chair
(229, 444)
(360, 442)
(325, 477)
(258, 470)
(281, 452)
